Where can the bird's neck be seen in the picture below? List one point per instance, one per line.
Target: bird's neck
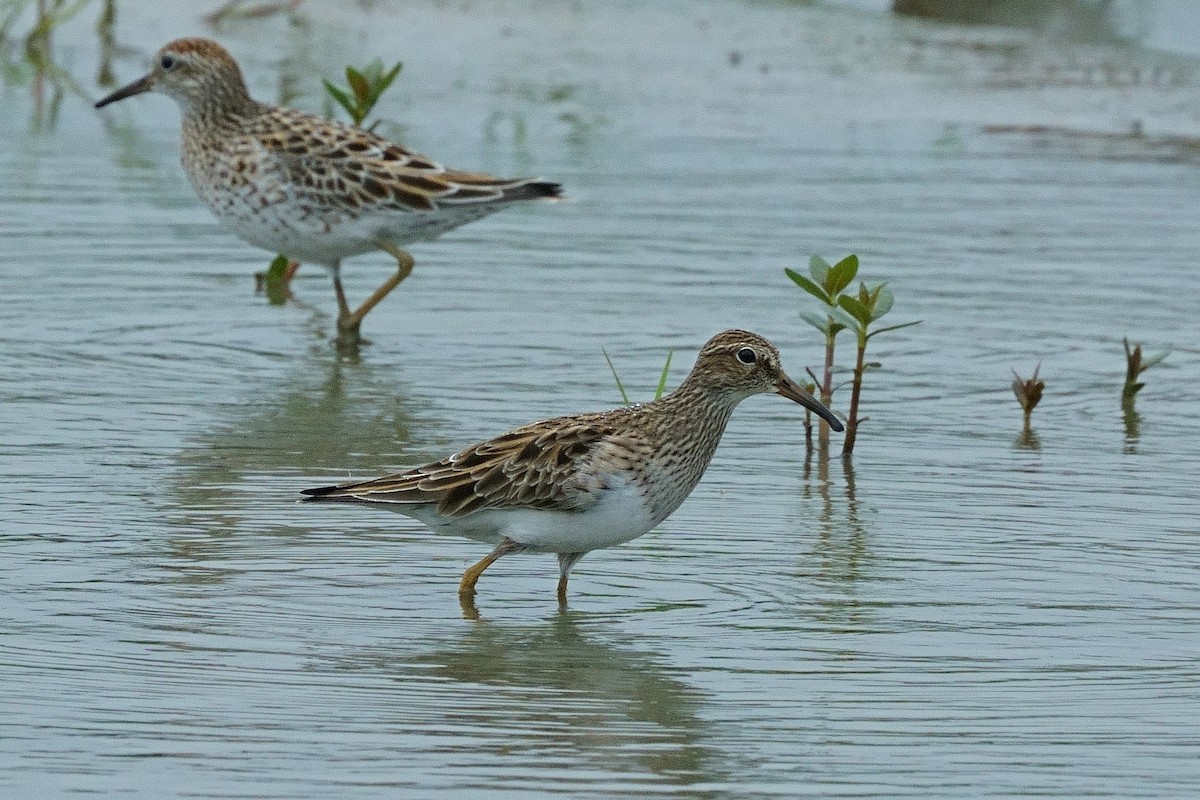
(222, 106)
(685, 428)
(696, 413)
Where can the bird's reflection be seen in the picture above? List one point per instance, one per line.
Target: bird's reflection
(614, 708)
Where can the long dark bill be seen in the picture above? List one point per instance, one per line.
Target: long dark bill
(792, 391)
(137, 87)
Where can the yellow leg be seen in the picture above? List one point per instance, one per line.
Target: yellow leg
(349, 322)
(466, 587)
(404, 268)
(343, 308)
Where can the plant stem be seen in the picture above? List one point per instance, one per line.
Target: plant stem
(855, 392)
(1133, 361)
(826, 390)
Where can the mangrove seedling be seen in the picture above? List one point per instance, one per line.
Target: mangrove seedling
(1135, 365)
(865, 309)
(1029, 393)
(363, 89)
(844, 311)
(662, 378)
(826, 284)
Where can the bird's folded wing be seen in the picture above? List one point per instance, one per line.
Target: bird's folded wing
(538, 466)
(344, 166)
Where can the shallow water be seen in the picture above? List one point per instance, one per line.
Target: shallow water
(956, 616)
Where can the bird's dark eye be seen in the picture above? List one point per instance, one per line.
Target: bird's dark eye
(746, 355)
(167, 62)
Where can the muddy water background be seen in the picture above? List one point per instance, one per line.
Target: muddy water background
(955, 616)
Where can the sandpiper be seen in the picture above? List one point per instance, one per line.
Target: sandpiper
(313, 189)
(574, 484)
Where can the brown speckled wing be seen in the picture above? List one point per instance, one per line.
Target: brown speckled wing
(349, 168)
(537, 466)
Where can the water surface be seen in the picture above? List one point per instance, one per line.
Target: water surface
(954, 615)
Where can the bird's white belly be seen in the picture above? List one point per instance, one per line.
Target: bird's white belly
(618, 516)
(275, 216)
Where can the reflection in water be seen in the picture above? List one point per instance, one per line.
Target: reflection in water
(1133, 426)
(1027, 439)
(1072, 20)
(551, 693)
(841, 551)
(33, 59)
(332, 414)
(108, 43)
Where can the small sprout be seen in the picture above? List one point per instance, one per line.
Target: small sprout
(662, 378)
(1135, 365)
(617, 378)
(274, 282)
(365, 87)
(1029, 394)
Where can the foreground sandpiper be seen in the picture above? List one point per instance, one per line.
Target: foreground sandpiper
(570, 485)
(315, 190)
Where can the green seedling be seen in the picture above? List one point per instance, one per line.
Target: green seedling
(865, 309)
(662, 378)
(274, 282)
(826, 284)
(363, 89)
(843, 311)
(1135, 365)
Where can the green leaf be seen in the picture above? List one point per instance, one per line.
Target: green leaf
(807, 285)
(277, 268)
(841, 274)
(385, 80)
(662, 379)
(819, 322)
(616, 377)
(856, 308)
(843, 319)
(894, 328)
(342, 98)
(358, 84)
(373, 70)
(883, 302)
(818, 268)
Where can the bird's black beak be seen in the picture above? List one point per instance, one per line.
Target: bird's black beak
(137, 87)
(793, 391)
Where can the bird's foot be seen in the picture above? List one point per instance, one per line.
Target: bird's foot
(349, 336)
